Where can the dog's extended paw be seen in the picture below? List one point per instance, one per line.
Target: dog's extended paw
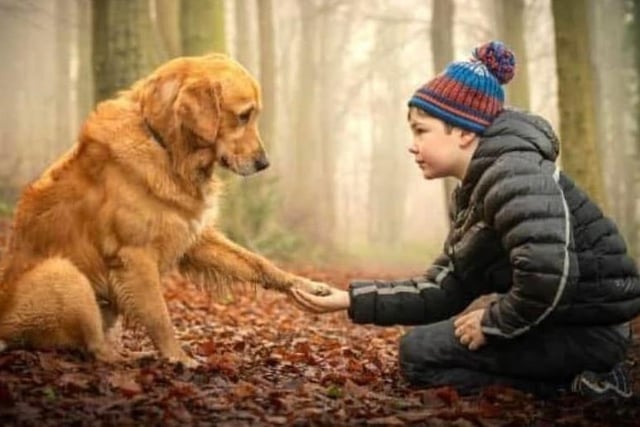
(315, 288)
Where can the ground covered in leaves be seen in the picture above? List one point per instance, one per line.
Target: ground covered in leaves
(263, 362)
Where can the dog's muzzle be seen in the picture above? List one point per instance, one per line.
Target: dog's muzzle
(246, 167)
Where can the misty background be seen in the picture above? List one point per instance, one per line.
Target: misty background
(336, 77)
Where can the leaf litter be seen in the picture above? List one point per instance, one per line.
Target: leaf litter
(264, 362)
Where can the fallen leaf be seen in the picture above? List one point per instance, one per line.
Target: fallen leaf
(386, 421)
(352, 389)
(77, 380)
(124, 383)
(448, 395)
(276, 420)
(243, 390)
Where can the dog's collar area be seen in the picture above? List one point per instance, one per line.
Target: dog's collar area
(155, 135)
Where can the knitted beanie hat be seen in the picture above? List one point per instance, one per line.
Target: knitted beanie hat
(468, 94)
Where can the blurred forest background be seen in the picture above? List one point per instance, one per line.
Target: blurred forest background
(336, 76)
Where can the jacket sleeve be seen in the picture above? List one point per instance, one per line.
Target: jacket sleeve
(525, 204)
(436, 295)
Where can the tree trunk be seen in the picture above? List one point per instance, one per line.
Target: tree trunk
(612, 111)
(388, 175)
(168, 25)
(244, 54)
(84, 83)
(122, 45)
(330, 42)
(442, 51)
(580, 156)
(632, 207)
(267, 72)
(300, 200)
(65, 21)
(202, 26)
(511, 25)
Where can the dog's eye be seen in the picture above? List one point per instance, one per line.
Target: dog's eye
(243, 118)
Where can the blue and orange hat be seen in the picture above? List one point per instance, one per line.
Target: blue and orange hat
(468, 94)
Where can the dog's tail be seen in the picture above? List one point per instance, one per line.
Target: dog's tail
(3, 346)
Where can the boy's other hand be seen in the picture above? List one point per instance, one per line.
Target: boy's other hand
(468, 329)
(336, 300)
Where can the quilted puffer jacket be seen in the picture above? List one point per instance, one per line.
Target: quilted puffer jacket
(522, 229)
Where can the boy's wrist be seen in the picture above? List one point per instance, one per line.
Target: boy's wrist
(345, 300)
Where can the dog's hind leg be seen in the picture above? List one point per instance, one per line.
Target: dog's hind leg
(54, 306)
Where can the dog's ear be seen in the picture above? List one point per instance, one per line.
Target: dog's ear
(158, 95)
(198, 108)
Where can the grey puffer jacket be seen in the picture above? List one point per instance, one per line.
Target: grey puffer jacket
(523, 229)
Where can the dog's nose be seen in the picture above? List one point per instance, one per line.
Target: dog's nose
(261, 163)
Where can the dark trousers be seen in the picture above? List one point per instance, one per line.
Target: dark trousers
(542, 361)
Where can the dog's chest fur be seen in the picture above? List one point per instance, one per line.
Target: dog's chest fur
(208, 214)
(141, 219)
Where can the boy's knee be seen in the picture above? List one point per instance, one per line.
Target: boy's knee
(421, 344)
(414, 358)
(408, 350)
(421, 351)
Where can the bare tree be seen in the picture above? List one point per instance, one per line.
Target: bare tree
(244, 52)
(84, 78)
(442, 50)
(632, 210)
(617, 147)
(580, 156)
(510, 17)
(123, 49)
(202, 26)
(304, 145)
(388, 174)
(64, 14)
(167, 23)
(267, 71)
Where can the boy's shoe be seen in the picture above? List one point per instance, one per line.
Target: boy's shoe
(602, 385)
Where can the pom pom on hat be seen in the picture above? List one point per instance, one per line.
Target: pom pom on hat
(498, 59)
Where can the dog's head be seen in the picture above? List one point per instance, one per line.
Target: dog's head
(204, 110)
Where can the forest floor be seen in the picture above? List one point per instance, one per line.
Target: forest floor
(263, 362)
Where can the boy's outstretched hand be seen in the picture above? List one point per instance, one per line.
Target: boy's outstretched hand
(335, 300)
(469, 330)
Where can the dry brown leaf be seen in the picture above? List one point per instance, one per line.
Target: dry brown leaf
(125, 383)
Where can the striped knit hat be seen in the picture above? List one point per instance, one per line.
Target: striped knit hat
(468, 94)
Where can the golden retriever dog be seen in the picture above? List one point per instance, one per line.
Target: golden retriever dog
(133, 199)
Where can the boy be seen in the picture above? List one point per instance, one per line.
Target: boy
(520, 228)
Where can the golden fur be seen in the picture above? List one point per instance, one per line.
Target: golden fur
(133, 199)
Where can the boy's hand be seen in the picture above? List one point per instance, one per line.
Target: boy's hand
(469, 330)
(334, 301)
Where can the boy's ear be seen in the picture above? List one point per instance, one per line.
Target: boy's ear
(467, 138)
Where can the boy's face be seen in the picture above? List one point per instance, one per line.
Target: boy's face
(436, 149)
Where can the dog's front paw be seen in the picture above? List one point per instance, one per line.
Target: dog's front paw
(315, 288)
(108, 355)
(185, 360)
